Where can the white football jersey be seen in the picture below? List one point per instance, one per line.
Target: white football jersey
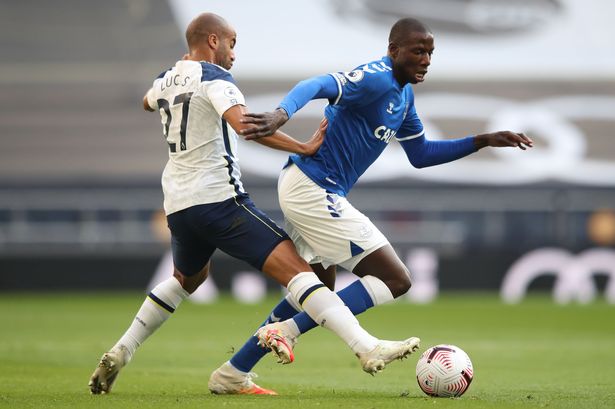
(203, 166)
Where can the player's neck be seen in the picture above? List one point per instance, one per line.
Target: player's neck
(399, 82)
(199, 55)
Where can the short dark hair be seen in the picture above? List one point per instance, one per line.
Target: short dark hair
(404, 27)
(201, 27)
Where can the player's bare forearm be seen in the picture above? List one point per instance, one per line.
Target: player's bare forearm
(503, 139)
(263, 124)
(239, 119)
(281, 141)
(146, 104)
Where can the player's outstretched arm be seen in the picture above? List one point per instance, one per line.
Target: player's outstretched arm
(283, 142)
(265, 124)
(422, 152)
(236, 114)
(146, 104)
(503, 139)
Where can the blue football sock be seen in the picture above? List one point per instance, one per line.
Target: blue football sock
(250, 353)
(356, 298)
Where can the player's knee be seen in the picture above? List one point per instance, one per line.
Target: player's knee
(401, 285)
(326, 275)
(191, 283)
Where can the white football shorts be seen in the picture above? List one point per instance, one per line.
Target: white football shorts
(325, 227)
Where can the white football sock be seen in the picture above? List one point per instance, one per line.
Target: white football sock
(377, 290)
(328, 310)
(157, 307)
(291, 300)
(290, 326)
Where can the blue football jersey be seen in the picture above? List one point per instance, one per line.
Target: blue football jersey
(370, 109)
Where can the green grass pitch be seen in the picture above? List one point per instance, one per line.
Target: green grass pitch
(534, 355)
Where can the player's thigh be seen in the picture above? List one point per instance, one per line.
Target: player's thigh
(245, 232)
(331, 227)
(191, 253)
(283, 263)
(310, 216)
(303, 248)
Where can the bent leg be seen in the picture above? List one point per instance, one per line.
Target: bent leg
(191, 260)
(326, 275)
(251, 353)
(354, 297)
(191, 283)
(158, 306)
(328, 310)
(283, 263)
(388, 279)
(385, 265)
(358, 297)
(383, 278)
(319, 302)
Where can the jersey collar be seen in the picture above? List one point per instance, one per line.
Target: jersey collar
(387, 60)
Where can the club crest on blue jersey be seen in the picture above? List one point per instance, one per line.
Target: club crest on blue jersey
(354, 76)
(370, 109)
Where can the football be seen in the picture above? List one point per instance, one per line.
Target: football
(444, 371)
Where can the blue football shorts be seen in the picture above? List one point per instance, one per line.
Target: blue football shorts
(235, 226)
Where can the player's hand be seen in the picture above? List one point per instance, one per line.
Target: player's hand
(311, 146)
(503, 139)
(264, 124)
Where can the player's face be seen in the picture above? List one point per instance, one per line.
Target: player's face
(225, 54)
(412, 59)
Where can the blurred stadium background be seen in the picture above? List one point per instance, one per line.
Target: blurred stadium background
(80, 161)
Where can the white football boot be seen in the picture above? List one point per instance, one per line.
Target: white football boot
(108, 368)
(228, 380)
(386, 352)
(273, 336)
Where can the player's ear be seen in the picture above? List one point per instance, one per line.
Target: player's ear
(393, 50)
(212, 41)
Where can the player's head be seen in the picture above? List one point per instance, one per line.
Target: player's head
(211, 38)
(411, 44)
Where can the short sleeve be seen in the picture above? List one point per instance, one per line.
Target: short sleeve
(151, 98)
(223, 95)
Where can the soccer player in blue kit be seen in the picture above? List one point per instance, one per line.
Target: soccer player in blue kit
(207, 208)
(368, 107)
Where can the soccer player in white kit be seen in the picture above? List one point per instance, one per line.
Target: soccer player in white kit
(208, 208)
